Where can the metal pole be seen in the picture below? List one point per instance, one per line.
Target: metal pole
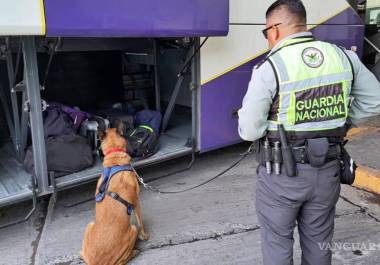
(14, 101)
(193, 87)
(372, 45)
(156, 75)
(190, 59)
(173, 98)
(33, 91)
(170, 107)
(24, 125)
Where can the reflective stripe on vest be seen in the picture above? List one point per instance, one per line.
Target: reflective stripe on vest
(315, 80)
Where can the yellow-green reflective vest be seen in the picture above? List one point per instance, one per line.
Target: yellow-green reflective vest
(314, 80)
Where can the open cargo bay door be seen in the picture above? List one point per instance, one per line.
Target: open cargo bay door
(22, 17)
(19, 18)
(131, 18)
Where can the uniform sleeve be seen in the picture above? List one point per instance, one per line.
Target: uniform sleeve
(365, 92)
(253, 116)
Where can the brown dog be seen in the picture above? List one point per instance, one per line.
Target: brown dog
(111, 238)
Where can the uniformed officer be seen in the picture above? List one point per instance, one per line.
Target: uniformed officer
(313, 89)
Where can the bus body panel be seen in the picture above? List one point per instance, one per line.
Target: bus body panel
(226, 68)
(22, 17)
(130, 18)
(250, 12)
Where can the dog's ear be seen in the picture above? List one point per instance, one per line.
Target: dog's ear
(101, 134)
(120, 127)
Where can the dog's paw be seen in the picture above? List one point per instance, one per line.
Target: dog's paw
(143, 236)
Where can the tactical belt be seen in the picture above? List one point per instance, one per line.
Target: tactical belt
(300, 154)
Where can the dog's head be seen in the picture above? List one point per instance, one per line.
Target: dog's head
(113, 137)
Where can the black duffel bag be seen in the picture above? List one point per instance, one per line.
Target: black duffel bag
(142, 142)
(65, 154)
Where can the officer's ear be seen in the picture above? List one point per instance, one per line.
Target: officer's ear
(273, 36)
(276, 33)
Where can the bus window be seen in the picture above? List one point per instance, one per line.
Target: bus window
(373, 12)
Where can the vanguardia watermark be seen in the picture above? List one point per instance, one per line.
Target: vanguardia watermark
(350, 246)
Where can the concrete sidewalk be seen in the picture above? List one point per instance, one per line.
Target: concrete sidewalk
(364, 149)
(214, 224)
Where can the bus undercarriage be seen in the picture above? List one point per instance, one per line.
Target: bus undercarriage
(159, 74)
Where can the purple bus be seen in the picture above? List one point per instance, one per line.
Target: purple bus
(190, 60)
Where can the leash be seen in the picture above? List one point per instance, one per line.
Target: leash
(149, 187)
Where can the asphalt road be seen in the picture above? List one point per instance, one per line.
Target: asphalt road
(214, 224)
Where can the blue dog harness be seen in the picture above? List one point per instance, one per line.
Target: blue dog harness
(108, 173)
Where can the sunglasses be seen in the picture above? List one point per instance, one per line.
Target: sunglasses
(265, 31)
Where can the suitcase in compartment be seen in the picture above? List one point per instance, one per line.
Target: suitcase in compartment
(89, 129)
(113, 115)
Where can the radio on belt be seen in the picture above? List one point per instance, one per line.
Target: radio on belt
(268, 156)
(287, 153)
(277, 158)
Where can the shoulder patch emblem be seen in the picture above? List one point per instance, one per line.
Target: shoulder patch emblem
(313, 57)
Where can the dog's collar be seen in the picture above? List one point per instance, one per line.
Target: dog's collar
(114, 150)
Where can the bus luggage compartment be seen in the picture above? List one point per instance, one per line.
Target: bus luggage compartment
(90, 74)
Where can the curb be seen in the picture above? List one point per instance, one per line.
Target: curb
(360, 132)
(366, 178)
